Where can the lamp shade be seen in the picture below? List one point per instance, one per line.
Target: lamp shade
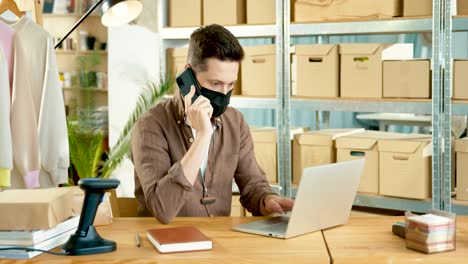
(119, 12)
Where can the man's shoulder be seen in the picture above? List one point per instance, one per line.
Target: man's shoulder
(232, 115)
(159, 113)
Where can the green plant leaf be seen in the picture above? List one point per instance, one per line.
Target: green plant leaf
(149, 97)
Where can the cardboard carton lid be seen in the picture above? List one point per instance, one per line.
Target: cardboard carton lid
(268, 134)
(408, 61)
(29, 209)
(265, 135)
(364, 140)
(359, 48)
(323, 137)
(409, 145)
(314, 50)
(461, 145)
(259, 50)
(177, 52)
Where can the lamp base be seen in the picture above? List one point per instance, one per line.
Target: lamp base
(92, 243)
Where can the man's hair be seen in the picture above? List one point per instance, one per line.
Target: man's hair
(213, 41)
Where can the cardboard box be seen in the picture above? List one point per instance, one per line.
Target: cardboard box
(407, 79)
(261, 12)
(104, 211)
(259, 71)
(462, 7)
(223, 12)
(315, 148)
(424, 7)
(30, 209)
(417, 8)
(461, 149)
(183, 13)
(265, 147)
(460, 79)
(361, 67)
(405, 167)
(315, 71)
(364, 145)
(319, 10)
(236, 207)
(176, 59)
(265, 151)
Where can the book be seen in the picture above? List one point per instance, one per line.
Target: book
(32, 237)
(48, 244)
(178, 239)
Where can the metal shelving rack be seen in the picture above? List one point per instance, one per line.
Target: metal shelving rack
(441, 107)
(442, 25)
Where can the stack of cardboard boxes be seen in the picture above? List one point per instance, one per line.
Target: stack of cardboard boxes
(265, 147)
(184, 13)
(397, 165)
(319, 10)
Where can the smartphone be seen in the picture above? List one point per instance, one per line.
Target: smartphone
(185, 80)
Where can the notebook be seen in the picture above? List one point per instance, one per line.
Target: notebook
(178, 239)
(324, 199)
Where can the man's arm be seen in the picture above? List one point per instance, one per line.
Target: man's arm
(164, 184)
(250, 178)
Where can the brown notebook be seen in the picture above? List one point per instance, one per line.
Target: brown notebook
(178, 239)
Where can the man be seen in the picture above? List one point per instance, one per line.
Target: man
(186, 155)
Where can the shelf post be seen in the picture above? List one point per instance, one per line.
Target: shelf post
(447, 108)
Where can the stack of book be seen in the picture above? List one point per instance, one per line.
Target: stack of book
(37, 239)
(430, 233)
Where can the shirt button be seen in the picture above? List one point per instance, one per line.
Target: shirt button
(191, 140)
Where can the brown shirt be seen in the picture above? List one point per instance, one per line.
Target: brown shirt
(160, 139)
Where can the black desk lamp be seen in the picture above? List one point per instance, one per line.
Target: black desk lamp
(116, 12)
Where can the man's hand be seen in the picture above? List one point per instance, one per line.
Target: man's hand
(277, 204)
(199, 113)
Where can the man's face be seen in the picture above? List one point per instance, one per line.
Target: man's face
(220, 76)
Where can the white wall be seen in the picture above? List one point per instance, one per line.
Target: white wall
(133, 60)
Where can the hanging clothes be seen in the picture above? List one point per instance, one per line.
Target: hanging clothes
(38, 122)
(6, 41)
(6, 160)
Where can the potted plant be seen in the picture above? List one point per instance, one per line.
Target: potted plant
(87, 156)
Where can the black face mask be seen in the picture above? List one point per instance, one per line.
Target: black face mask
(218, 101)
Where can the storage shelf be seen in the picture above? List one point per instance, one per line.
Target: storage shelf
(422, 106)
(401, 204)
(460, 23)
(392, 26)
(253, 102)
(240, 31)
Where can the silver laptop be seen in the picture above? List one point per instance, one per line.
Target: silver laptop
(323, 200)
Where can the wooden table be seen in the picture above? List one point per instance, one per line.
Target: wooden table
(228, 246)
(370, 240)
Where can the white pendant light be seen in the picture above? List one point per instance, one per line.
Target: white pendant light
(119, 12)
